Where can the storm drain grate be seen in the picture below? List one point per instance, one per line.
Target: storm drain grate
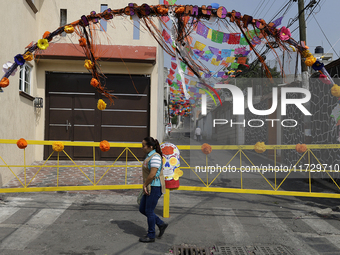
(187, 250)
(231, 250)
(272, 250)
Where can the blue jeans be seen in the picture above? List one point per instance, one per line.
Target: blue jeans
(147, 207)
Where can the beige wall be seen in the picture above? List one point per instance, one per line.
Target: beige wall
(18, 117)
(119, 29)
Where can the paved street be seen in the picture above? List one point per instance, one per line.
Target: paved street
(108, 222)
(66, 223)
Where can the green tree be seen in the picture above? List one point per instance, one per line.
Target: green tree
(244, 75)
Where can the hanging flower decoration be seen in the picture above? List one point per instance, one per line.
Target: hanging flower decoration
(323, 78)
(301, 148)
(285, 33)
(42, 44)
(19, 60)
(4, 82)
(28, 56)
(6, 67)
(22, 143)
(101, 105)
(317, 65)
(104, 145)
(180, 10)
(162, 10)
(335, 90)
(310, 61)
(206, 148)
(94, 82)
(58, 146)
(306, 54)
(260, 147)
(88, 64)
(69, 29)
(82, 42)
(47, 34)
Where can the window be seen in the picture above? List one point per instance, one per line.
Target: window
(136, 27)
(103, 22)
(25, 78)
(63, 19)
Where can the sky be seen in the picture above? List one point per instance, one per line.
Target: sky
(325, 18)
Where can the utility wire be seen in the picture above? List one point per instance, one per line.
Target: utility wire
(255, 10)
(259, 8)
(261, 11)
(325, 35)
(269, 9)
(283, 7)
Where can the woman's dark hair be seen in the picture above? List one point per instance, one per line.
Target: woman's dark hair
(154, 143)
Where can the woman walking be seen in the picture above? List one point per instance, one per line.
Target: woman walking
(153, 186)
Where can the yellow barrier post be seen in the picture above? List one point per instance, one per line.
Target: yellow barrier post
(166, 204)
(25, 167)
(240, 169)
(94, 166)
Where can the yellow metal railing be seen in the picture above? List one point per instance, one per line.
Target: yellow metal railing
(240, 152)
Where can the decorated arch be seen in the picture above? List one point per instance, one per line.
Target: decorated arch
(190, 58)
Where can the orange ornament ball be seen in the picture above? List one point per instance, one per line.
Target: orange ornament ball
(104, 145)
(22, 143)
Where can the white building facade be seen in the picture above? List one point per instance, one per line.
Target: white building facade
(131, 60)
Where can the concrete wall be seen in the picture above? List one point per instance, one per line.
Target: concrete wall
(17, 117)
(20, 26)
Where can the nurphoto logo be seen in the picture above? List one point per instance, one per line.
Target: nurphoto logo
(238, 105)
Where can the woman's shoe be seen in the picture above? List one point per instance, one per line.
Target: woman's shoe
(146, 239)
(162, 229)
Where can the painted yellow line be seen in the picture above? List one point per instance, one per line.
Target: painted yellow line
(71, 188)
(259, 192)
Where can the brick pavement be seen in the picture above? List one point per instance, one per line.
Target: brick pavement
(73, 176)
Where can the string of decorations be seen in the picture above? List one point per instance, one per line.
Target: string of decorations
(186, 18)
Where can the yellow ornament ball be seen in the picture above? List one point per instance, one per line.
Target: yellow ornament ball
(310, 61)
(28, 56)
(69, 29)
(101, 105)
(335, 90)
(88, 64)
(58, 146)
(260, 147)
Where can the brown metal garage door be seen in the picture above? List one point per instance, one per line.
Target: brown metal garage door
(72, 114)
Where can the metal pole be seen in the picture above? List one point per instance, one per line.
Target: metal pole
(304, 70)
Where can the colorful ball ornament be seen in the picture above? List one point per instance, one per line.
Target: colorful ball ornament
(206, 148)
(335, 90)
(22, 143)
(260, 147)
(104, 145)
(69, 29)
(310, 61)
(58, 146)
(301, 148)
(4, 82)
(101, 105)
